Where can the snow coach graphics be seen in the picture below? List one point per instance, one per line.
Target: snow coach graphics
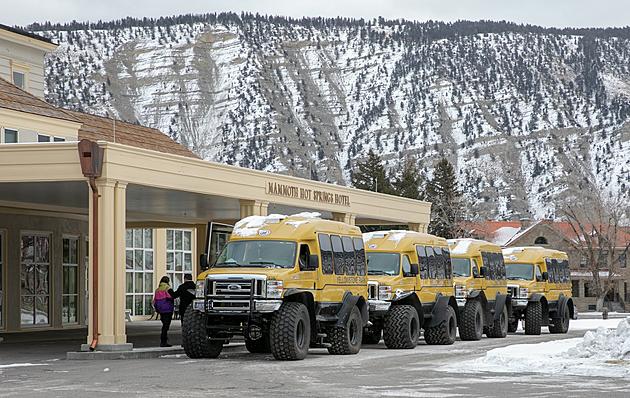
(410, 288)
(286, 283)
(540, 285)
(480, 288)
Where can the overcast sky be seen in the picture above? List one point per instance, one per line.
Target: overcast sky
(558, 13)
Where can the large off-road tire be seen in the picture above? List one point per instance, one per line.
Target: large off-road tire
(260, 346)
(402, 327)
(290, 332)
(195, 336)
(512, 325)
(445, 332)
(347, 339)
(499, 327)
(560, 325)
(471, 323)
(533, 318)
(372, 335)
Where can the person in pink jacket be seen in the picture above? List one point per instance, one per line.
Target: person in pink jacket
(164, 305)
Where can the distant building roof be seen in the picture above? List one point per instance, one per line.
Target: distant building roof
(505, 233)
(27, 34)
(97, 128)
(93, 127)
(14, 98)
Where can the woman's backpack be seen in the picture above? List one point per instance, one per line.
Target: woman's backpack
(163, 302)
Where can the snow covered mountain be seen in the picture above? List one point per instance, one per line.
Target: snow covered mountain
(531, 117)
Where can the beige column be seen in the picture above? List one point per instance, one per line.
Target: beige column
(111, 268)
(159, 256)
(253, 208)
(417, 227)
(347, 218)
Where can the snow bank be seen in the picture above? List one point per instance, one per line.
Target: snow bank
(604, 353)
(605, 344)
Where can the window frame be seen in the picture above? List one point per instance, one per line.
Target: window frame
(4, 135)
(360, 256)
(3, 278)
(350, 268)
(77, 281)
(49, 295)
(171, 273)
(342, 256)
(40, 136)
(144, 271)
(423, 261)
(22, 71)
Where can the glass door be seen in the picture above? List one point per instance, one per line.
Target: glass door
(35, 279)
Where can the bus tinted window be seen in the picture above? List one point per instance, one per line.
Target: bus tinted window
(424, 262)
(338, 255)
(325, 247)
(348, 249)
(440, 267)
(432, 262)
(359, 255)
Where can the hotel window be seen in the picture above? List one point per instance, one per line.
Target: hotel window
(70, 308)
(35, 279)
(10, 136)
(178, 255)
(43, 138)
(19, 79)
(1, 279)
(139, 263)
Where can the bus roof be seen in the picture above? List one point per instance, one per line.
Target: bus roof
(531, 254)
(400, 241)
(471, 247)
(303, 226)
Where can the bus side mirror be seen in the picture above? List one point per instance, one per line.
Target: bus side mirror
(482, 272)
(313, 263)
(414, 270)
(545, 276)
(203, 262)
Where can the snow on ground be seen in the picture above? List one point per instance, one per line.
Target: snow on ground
(604, 352)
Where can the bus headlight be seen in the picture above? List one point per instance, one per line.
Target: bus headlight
(274, 289)
(385, 292)
(200, 291)
(523, 292)
(460, 291)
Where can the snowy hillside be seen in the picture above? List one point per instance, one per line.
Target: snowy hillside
(529, 116)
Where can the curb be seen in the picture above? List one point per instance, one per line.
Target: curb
(137, 353)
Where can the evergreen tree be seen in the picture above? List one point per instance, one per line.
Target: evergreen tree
(370, 175)
(408, 183)
(446, 201)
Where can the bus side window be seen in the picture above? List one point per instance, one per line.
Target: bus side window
(538, 273)
(338, 255)
(325, 248)
(475, 268)
(485, 262)
(406, 264)
(348, 249)
(359, 256)
(305, 253)
(447, 258)
(501, 265)
(432, 264)
(424, 262)
(440, 267)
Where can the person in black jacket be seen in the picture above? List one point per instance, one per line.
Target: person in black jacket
(186, 294)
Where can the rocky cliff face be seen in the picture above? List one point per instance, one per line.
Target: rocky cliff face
(531, 117)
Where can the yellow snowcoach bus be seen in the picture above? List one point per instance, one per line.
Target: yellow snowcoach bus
(410, 288)
(539, 282)
(480, 288)
(285, 284)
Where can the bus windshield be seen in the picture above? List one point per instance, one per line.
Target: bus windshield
(258, 253)
(383, 263)
(517, 271)
(461, 266)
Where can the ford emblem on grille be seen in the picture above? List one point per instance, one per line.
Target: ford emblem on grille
(234, 286)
